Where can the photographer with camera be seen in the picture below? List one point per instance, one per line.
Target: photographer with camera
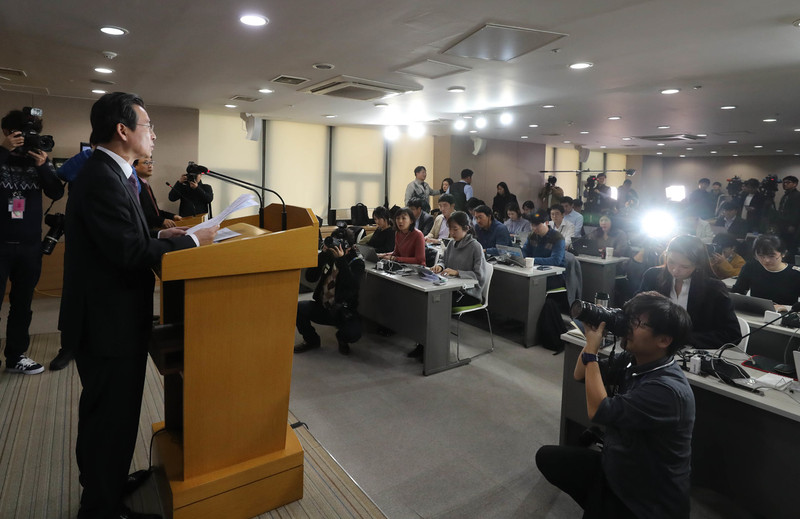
(195, 196)
(644, 401)
(550, 194)
(339, 270)
(25, 172)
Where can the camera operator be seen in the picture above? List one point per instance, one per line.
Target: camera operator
(25, 171)
(550, 194)
(647, 407)
(339, 270)
(193, 194)
(598, 195)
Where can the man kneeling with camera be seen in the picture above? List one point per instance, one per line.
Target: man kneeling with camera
(339, 269)
(647, 407)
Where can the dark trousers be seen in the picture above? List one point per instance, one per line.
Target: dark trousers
(20, 263)
(578, 472)
(308, 312)
(108, 423)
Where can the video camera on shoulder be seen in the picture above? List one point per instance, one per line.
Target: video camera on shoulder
(31, 126)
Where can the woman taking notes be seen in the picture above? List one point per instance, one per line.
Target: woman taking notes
(409, 243)
(463, 258)
(768, 276)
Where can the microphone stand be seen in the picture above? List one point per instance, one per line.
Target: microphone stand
(253, 188)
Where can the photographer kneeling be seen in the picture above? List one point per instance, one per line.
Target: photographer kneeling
(645, 465)
(339, 269)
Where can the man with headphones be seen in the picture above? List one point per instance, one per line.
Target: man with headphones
(339, 269)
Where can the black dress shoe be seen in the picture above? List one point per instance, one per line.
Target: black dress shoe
(127, 513)
(62, 360)
(417, 352)
(135, 480)
(304, 347)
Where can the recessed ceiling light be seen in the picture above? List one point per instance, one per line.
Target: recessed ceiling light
(467, 116)
(689, 149)
(473, 131)
(230, 106)
(548, 106)
(733, 142)
(797, 129)
(581, 65)
(567, 142)
(254, 20)
(98, 91)
(770, 120)
(614, 118)
(480, 122)
(728, 107)
(626, 138)
(663, 127)
(668, 91)
(523, 137)
(735, 155)
(457, 89)
(712, 151)
(603, 147)
(460, 124)
(265, 90)
(758, 146)
(506, 118)
(323, 66)
(104, 70)
(659, 153)
(584, 133)
(381, 105)
(702, 135)
(778, 151)
(113, 31)
(328, 116)
(682, 156)
(536, 126)
(660, 144)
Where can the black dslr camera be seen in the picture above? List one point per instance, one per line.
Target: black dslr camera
(56, 223)
(591, 182)
(31, 127)
(615, 318)
(552, 180)
(338, 238)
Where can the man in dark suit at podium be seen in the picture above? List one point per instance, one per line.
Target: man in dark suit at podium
(107, 304)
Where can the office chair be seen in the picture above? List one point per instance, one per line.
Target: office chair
(458, 311)
(744, 328)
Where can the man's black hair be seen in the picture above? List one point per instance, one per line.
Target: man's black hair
(663, 317)
(418, 169)
(473, 202)
(415, 202)
(567, 200)
(485, 209)
(730, 206)
(558, 207)
(466, 173)
(448, 198)
(790, 178)
(528, 204)
(15, 120)
(704, 181)
(111, 109)
(536, 219)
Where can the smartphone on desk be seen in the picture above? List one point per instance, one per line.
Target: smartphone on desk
(543, 267)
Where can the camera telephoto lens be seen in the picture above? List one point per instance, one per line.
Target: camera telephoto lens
(615, 319)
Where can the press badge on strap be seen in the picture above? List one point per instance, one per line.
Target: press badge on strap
(16, 206)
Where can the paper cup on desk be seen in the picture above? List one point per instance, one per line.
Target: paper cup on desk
(609, 252)
(529, 262)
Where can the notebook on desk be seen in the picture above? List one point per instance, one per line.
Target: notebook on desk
(755, 306)
(585, 246)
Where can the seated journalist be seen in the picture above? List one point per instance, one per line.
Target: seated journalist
(644, 401)
(409, 243)
(339, 271)
(544, 245)
(490, 232)
(768, 276)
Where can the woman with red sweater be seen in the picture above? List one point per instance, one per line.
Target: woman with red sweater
(409, 243)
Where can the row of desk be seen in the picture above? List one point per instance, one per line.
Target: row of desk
(744, 445)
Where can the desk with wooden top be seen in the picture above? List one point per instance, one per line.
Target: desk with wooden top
(414, 308)
(519, 293)
(744, 445)
(599, 275)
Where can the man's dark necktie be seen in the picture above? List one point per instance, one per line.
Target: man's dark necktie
(132, 186)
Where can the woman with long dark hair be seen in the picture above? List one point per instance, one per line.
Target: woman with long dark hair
(409, 243)
(382, 240)
(686, 278)
(501, 201)
(769, 277)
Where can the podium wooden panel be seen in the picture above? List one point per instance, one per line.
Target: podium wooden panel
(227, 445)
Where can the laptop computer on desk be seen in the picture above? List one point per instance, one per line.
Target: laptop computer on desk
(585, 246)
(754, 306)
(368, 253)
(510, 255)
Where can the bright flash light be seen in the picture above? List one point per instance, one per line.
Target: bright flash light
(658, 224)
(416, 131)
(506, 118)
(460, 124)
(480, 122)
(614, 193)
(676, 193)
(391, 133)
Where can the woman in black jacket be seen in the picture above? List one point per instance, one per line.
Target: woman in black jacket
(501, 201)
(687, 280)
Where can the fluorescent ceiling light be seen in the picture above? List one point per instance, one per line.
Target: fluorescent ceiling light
(230, 106)
(626, 138)
(254, 20)
(728, 107)
(669, 91)
(770, 120)
(758, 146)
(548, 106)
(457, 89)
(584, 133)
(265, 90)
(473, 131)
(581, 65)
(113, 31)
(664, 127)
(733, 142)
(660, 144)
(104, 70)
(328, 116)
(702, 135)
(523, 137)
(98, 91)
(614, 118)
(567, 142)
(712, 151)
(659, 153)
(536, 126)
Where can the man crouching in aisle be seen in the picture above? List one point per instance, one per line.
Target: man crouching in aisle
(648, 413)
(339, 270)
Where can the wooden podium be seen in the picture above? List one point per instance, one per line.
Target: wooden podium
(225, 349)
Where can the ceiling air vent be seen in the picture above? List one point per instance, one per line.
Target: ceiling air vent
(12, 72)
(25, 89)
(289, 80)
(356, 88)
(245, 98)
(670, 137)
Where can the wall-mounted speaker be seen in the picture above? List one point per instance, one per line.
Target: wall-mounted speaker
(480, 145)
(252, 125)
(583, 153)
